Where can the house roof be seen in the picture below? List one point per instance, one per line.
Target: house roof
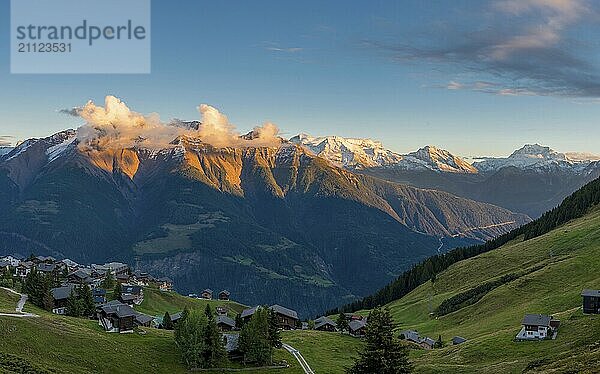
(4, 264)
(225, 292)
(430, 342)
(134, 290)
(119, 309)
(322, 321)
(411, 335)
(165, 279)
(142, 318)
(127, 297)
(458, 340)
(285, 311)
(98, 299)
(61, 293)
(592, 293)
(248, 312)
(536, 320)
(208, 290)
(176, 316)
(357, 324)
(225, 320)
(98, 292)
(122, 276)
(46, 268)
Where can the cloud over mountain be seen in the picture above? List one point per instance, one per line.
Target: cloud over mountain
(115, 125)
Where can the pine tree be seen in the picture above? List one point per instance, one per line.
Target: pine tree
(274, 335)
(342, 322)
(48, 301)
(167, 323)
(254, 341)
(87, 300)
(199, 340)
(74, 306)
(117, 291)
(239, 322)
(382, 353)
(108, 282)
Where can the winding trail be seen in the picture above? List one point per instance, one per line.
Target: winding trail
(298, 356)
(19, 309)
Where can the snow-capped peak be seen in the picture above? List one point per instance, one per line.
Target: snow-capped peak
(440, 159)
(532, 156)
(358, 153)
(355, 153)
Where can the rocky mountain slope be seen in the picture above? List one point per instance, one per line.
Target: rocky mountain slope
(271, 223)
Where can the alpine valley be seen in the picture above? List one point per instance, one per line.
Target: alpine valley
(309, 222)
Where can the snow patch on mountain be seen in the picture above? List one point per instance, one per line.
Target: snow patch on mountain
(348, 152)
(56, 150)
(533, 157)
(356, 153)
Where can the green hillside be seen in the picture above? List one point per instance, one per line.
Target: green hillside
(545, 275)
(59, 344)
(156, 303)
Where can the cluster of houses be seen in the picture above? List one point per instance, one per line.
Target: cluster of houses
(426, 342)
(113, 316)
(207, 294)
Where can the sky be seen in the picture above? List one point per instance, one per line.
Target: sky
(479, 78)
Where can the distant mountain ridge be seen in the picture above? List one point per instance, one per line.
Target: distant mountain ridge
(259, 221)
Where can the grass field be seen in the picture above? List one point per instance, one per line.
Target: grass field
(325, 352)
(60, 344)
(8, 301)
(157, 302)
(563, 262)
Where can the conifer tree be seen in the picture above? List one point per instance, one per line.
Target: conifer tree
(382, 354)
(167, 323)
(342, 322)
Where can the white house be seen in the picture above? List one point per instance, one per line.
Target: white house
(537, 326)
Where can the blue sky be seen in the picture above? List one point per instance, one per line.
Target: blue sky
(474, 77)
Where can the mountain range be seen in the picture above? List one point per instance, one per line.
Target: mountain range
(273, 224)
(532, 180)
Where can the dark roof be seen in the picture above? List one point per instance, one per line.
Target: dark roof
(80, 274)
(430, 342)
(458, 340)
(119, 309)
(411, 335)
(123, 276)
(536, 320)
(322, 321)
(127, 297)
(225, 292)
(176, 316)
(225, 320)
(592, 293)
(285, 311)
(134, 290)
(98, 299)
(46, 268)
(248, 312)
(208, 290)
(165, 279)
(98, 291)
(61, 293)
(142, 318)
(357, 324)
